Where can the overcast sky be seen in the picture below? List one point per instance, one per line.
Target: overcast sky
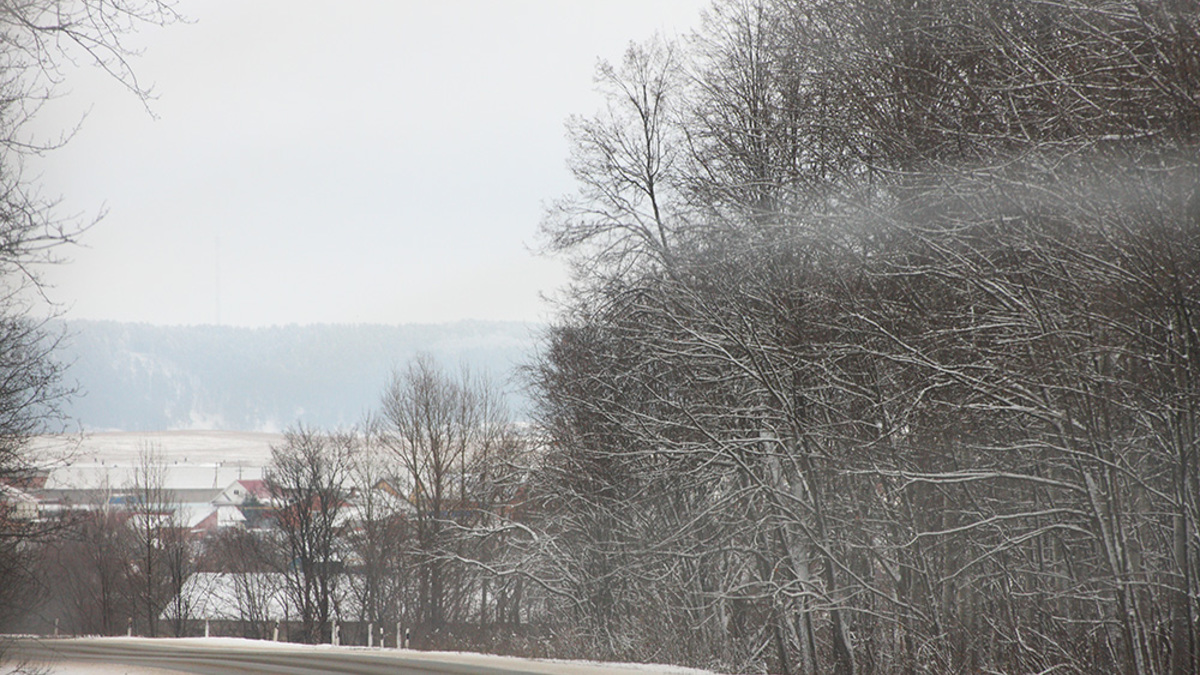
(382, 162)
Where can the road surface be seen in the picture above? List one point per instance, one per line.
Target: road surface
(224, 656)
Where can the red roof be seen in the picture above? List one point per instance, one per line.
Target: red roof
(208, 524)
(258, 488)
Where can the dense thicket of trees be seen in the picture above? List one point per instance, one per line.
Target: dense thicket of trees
(117, 564)
(883, 349)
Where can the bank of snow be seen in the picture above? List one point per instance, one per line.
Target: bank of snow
(241, 645)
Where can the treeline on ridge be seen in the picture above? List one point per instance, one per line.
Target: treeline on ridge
(139, 377)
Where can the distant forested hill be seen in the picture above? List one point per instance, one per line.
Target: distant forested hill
(139, 377)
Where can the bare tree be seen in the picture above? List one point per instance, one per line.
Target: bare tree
(152, 514)
(165, 557)
(309, 481)
(35, 38)
(624, 161)
(442, 432)
(380, 537)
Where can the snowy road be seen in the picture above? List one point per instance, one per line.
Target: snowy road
(249, 657)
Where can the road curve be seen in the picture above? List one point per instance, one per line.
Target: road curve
(250, 657)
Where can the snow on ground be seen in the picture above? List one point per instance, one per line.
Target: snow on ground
(123, 447)
(193, 459)
(73, 668)
(245, 645)
(184, 475)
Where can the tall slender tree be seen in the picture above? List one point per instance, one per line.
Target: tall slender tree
(442, 432)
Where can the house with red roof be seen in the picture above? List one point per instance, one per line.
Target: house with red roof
(240, 492)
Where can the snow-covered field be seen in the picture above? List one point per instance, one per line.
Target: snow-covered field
(194, 447)
(193, 459)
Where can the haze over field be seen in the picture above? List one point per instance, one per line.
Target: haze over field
(138, 377)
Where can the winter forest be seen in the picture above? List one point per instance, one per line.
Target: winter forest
(881, 355)
(884, 351)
